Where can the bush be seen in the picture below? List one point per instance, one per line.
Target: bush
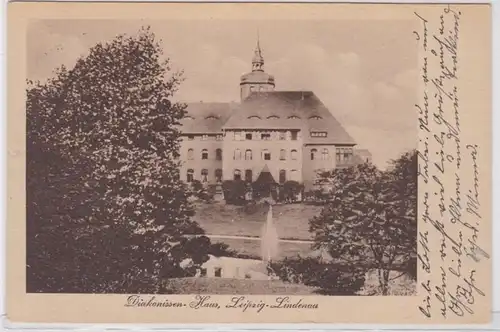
(234, 191)
(201, 192)
(316, 197)
(332, 279)
(220, 249)
(291, 189)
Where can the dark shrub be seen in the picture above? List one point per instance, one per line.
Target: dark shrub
(234, 191)
(291, 190)
(332, 279)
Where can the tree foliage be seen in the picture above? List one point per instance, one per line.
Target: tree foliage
(106, 211)
(370, 218)
(330, 278)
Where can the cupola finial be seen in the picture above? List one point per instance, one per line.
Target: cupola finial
(258, 59)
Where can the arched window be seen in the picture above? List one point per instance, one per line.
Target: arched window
(190, 154)
(282, 176)
(218, 175)
(282, 154)
(204, 175)
(237, 174)
(218, 154)
(266, 155)
(294, 175)
(248, 155)
(190, 175)
(314, 153)
(204, 154)
(324, 154)
(293, 155)
(237, 154)
(248, 175)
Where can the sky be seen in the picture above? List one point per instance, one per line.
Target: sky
(365, 72)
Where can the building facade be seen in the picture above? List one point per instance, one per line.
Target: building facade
(290, 133)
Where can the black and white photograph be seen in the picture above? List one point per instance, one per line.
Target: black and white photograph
(249, 163)
(221, 157)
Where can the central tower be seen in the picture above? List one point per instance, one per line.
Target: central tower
(257, 79)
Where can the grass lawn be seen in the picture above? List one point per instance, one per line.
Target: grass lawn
(291, 220)
(236, 286)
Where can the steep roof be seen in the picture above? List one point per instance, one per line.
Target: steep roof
(265, 176)
(289, 110)
(206, 118)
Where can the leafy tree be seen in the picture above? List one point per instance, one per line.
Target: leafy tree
(106, 211)
(370, 218)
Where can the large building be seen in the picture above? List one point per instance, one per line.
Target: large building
(289, 133)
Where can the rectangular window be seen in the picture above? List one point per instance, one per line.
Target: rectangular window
(267, 156)
(265, 137)
(219, 137)
(248, 136)
(338, 155)
(282, 155)
(282, 136)
(204, 138)
(238, 135)
(294, 135)
(218, 272)
(190, 137)
(347, 155)
(203, 272)
(318, 134)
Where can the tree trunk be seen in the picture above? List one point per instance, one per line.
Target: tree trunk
(383, 278)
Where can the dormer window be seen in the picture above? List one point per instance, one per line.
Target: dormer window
(318, 133)
(273, 117)
(315, 117)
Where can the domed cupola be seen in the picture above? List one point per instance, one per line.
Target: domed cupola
(256, 80)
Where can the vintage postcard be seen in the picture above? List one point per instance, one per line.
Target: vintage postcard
(249, 163)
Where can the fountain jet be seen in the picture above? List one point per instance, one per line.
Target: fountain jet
(269, 239)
